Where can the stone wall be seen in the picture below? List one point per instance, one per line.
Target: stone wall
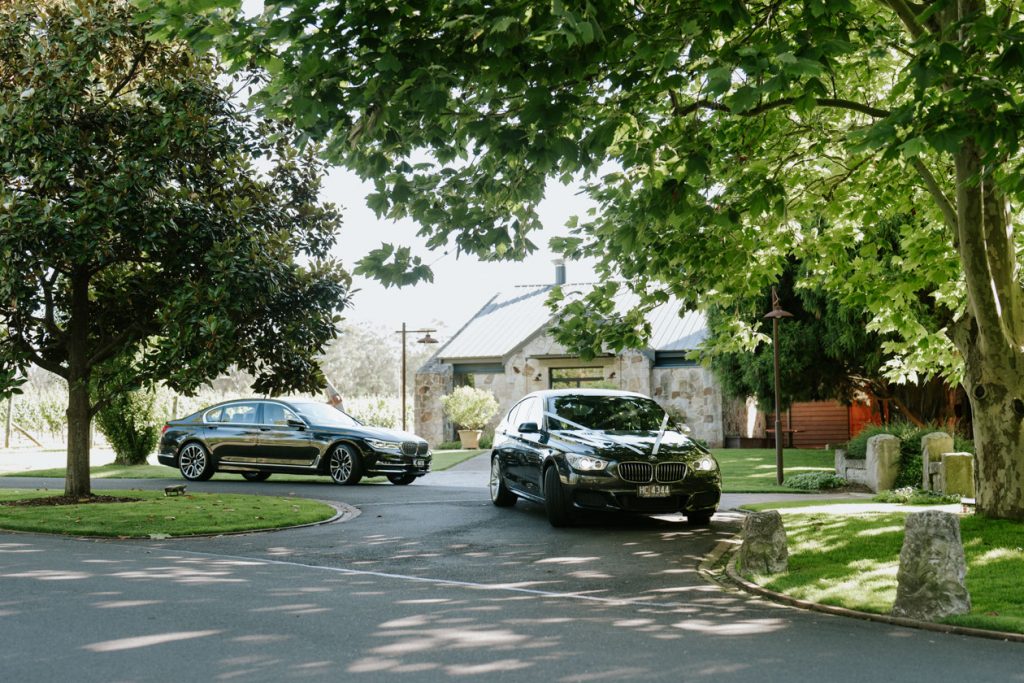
(693, 393)
(433, 381)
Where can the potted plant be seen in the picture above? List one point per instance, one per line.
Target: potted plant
(470, 409)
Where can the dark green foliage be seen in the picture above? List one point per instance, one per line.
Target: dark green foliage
(814, 481)
(131, 428)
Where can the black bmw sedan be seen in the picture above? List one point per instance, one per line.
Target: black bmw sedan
(587, 449)
(258, 437)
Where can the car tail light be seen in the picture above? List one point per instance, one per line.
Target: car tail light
(164, 430)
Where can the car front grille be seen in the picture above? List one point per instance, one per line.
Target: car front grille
(423, 448)
(636, 472)
(671, 471)
(409, 448)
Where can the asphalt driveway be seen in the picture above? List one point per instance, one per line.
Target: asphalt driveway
(431, 582)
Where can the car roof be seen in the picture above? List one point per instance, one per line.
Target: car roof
(550, 393)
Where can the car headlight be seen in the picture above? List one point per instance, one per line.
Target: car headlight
(705, 464)
(384, 446)
(584, 463)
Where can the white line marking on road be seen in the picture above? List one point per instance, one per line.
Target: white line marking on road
(440, 582)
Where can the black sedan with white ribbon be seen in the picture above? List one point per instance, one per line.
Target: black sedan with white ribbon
(575, 450)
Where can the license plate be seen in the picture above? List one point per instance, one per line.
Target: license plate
(419, 462)
(653, 491)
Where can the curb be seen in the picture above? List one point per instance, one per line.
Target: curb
(731, 547)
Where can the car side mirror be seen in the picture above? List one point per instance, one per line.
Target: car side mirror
(298, 424)
(529, 428)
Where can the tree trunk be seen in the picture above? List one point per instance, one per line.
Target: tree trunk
(76, 480)
(995, 386)
(989, 337)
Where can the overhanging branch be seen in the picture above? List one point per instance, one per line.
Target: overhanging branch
(932, 185)
(828, 102)
(907, 16)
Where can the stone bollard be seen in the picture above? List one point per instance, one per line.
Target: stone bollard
(932, 447)
(764, 548)
(958, 474)
(930, 581)
(883, 462)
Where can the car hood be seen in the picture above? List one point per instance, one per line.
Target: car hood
(627, 445)
(382, 433)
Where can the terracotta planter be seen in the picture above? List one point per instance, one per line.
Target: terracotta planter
(470, 438)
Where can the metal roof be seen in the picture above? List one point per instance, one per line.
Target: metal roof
(512, 317)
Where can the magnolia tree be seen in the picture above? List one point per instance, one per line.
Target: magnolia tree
(717, 139)
(139, 242)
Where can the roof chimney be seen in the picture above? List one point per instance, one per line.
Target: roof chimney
(559, 271)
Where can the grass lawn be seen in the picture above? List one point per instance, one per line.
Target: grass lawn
(752, 470)
(158, 516)
(851, 561)
(442, 461)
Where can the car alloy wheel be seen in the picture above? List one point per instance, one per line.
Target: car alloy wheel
(346, 467)
(194, 462)
(500, 495)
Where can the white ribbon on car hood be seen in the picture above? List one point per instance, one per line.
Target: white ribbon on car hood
(588, 434)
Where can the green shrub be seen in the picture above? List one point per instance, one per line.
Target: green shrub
(470, 408)
(911, 495)
(377, 411)
(129, 424)
(815, 481)
(449, 446)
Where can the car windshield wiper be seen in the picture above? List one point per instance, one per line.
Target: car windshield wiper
(590, 432)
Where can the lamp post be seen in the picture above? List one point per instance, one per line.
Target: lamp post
(776, 314)
(425, 339)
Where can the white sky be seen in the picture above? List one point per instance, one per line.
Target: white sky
(461, 285)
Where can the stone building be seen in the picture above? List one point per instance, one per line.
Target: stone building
(506, 349)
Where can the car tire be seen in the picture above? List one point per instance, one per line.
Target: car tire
(401, 479)
(195, 463)
(345, 466)
(555, 501)
(500, 495)
(256, 476)
(702, 518)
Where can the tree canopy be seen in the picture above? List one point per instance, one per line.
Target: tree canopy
(718, 139)
(151, 230)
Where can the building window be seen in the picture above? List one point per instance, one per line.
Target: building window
(577, 378)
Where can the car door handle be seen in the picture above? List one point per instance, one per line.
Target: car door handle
(264, 429)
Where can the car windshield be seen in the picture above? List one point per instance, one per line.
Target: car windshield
(325, 415)
(607, 413)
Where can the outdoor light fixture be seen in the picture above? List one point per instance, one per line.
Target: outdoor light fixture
(425, 339)
(776, 314)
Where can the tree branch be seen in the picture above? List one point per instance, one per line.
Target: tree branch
(33, 356)
(932, 185)
(828, 102)
(907, 16)
(132, 72)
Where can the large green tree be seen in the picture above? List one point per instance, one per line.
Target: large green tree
(140, 241)
(717, 138)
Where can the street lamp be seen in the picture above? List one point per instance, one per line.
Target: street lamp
(425, 339)
(776, 314)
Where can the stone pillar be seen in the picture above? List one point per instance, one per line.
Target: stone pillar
(882, 462)
(930, 580)
(958, 474)
(764, 548)
(932, 447)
